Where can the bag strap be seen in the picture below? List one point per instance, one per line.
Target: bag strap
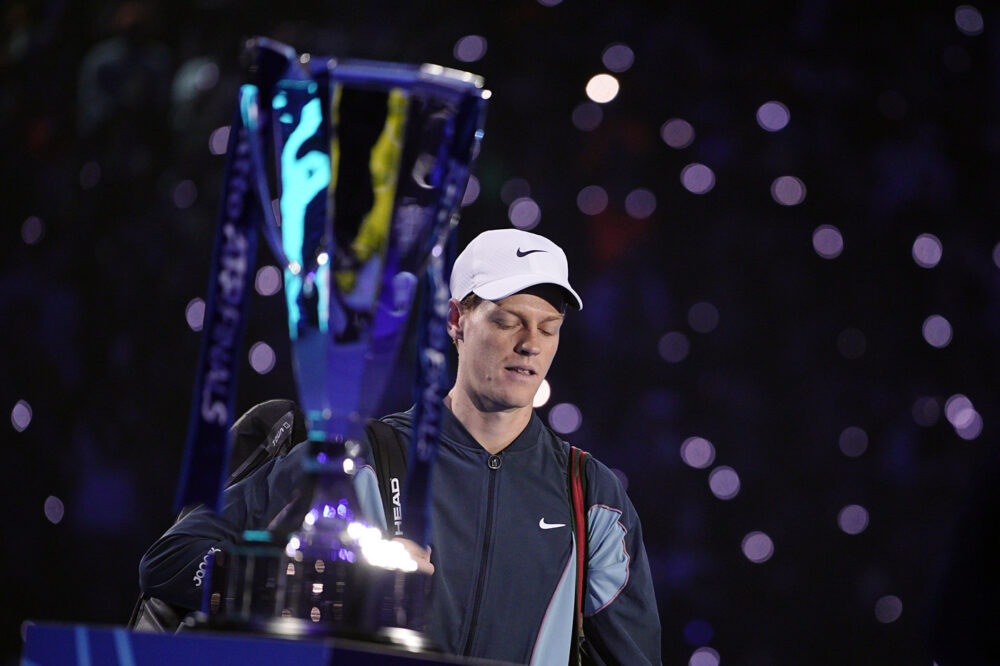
(576, 479)
(389, 451)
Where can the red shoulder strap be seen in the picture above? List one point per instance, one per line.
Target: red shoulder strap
(577, 474)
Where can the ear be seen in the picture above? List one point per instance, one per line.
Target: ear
(455, 319)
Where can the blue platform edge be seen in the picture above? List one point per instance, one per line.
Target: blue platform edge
(86, 645)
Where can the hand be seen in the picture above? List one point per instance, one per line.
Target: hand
(420, 555)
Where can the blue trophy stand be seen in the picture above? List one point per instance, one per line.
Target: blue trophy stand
(50, 644)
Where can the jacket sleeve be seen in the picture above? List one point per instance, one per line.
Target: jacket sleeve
(173, 568)
(621, 622)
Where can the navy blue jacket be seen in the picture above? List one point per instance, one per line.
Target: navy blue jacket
(502, 548)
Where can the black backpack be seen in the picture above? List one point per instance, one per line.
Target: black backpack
(265, 431)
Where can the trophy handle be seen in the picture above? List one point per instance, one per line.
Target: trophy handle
(269, 224)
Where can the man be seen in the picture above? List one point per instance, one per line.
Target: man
(502, 546)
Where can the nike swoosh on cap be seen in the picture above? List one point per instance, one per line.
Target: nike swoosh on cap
(549, 526)
(522, 253)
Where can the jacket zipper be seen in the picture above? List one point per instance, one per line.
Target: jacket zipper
(481, 582)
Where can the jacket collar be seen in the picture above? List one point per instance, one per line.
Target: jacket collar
(455, 433)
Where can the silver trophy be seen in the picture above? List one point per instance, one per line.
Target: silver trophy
(371, 163)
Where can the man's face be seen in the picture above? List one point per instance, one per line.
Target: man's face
(505, 347)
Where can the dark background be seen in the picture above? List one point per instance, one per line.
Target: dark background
(109, 205)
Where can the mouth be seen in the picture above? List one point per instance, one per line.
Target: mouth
(520, 370)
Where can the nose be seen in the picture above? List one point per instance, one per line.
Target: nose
(529, 343)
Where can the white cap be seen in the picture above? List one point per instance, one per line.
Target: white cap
(502, 262)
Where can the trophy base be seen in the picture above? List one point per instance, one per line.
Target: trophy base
(409, 640)
(260, 589)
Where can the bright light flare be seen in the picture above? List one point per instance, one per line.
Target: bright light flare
(602, 88)
(542, 395)
(380, 552)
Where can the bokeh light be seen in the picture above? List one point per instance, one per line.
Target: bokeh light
(677, 133)
(32, 230)
(703, 317)
(524, 213)
(996, 255)
(757, 547)
(470, 48)
(542, 395)
(185, 194)
(827, 241)
(698, 632)
(640, 203)
(853, 441)
(969, 20)
(565, 418)
(773, 116)
(261, 358)
(674, 347)
(20, 415)
(724, 482)
(514, 188)
(962, 415)
(851, 343)
(788, 190)
(194, 313)
(959, 411)
(927, 250)
(54, 509)
(704, 656)
(956, 59)
(207, 76)
(592, 200)
(268, 280)
(549, 3)
(587, 116)
(926, 411)
(697, 452)
(697, 178)
(972, 429)
(853, 519)
(472, 190)
(218, 140)
(618, 57)
(937, 331)
(888, 609)
(602, 88)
